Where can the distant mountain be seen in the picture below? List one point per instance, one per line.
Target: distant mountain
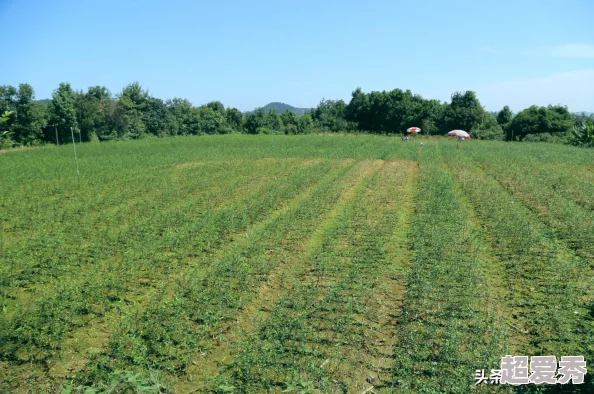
(282, 107)
(44, 101)
(584, 112)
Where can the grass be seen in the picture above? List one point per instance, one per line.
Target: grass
(299, 264)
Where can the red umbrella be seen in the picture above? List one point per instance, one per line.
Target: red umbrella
(459, 133)
(414, 130)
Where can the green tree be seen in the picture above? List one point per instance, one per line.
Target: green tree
(357, 110)
(212, 121)
(132, 104)
(540, 120)
(92, 112)
(157, 118)
(254, 121)
(216, 106)
(8, 100)
(464, 112)
(583, 134)
(329, 115)
(62, 113)
(488, 129)
(396, 111)
(431, 117)
(31, 117)
(184, 118)
(504, 117)
(306, 124)
(393, 112)
(5, 135)
(272, 121)
(290, 122)
(234, 119)
(5, 116)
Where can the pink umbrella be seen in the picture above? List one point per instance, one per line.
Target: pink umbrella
(459, 133)
(414, 130)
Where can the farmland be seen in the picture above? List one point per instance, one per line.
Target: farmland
(300, 263)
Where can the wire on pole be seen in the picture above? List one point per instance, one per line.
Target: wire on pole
(75, 158)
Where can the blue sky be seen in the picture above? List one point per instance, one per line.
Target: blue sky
(249, 53)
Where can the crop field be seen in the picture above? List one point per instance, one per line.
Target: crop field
(300, 264)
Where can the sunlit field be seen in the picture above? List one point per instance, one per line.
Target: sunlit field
(305, 264)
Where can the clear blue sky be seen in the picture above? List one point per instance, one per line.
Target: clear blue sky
(249, 53)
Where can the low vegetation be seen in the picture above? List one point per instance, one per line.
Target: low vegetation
(297, 264)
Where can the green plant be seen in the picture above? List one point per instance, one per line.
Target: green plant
(583, 135)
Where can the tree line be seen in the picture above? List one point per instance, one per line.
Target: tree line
(97, 115)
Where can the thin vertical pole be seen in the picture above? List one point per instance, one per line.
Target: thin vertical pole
(75, 158)
(56, 128)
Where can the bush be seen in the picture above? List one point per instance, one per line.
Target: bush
(290, 129)
(558, 138)
(583, 135)
(93, 137)
(6, 142)
(225, 130)
(265, 130)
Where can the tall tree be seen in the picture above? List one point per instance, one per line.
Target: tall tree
(273, 121)
(464, 112)
(31, 117)
(329, 115)
(504, 117)
(431, 117)
(254, 121)
(181, 112)
(234, 119)
(488, 129)
(62, 113)
(93, 112)
(8, 100)
(157, 118)
(305, 125)
(290, 121)
(132, 103)
(212, 121)
(5, 135)
(216, 106)
(357, 110)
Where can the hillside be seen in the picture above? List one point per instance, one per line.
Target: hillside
(282, 107)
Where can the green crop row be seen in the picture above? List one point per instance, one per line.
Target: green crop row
(548, 289)
(451, 322)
